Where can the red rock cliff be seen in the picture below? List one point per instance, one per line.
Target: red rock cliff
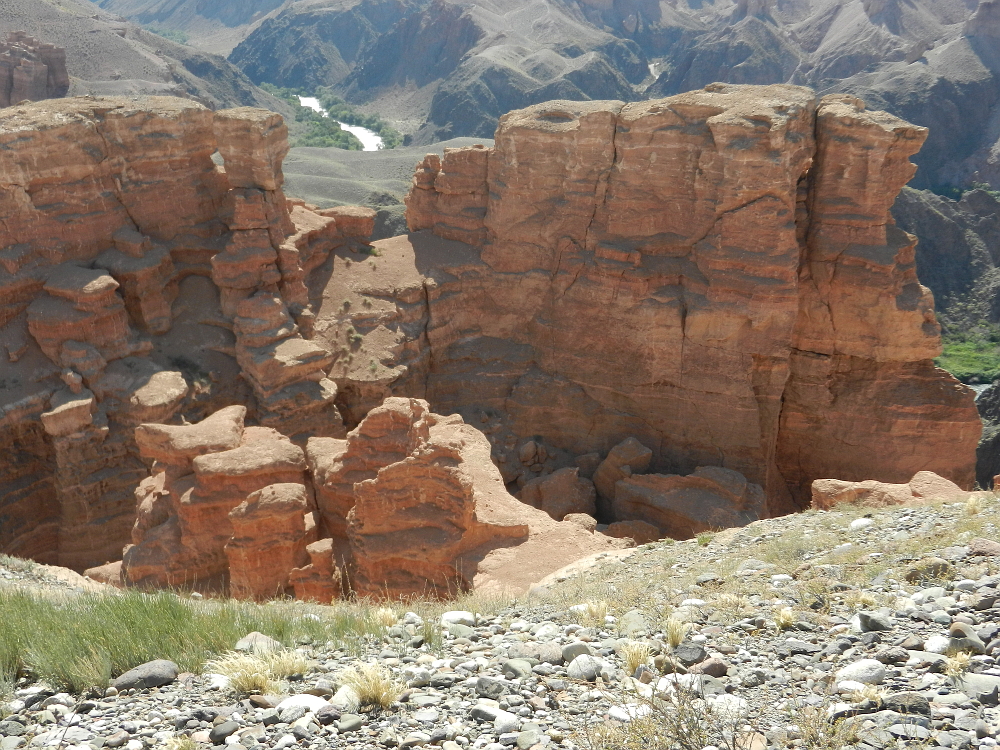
(715, 274)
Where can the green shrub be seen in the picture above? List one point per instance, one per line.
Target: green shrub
(174, 35)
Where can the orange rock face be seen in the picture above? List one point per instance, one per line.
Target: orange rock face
(109, 207)
(408, 504)
(925, 487)
(31, 70)
(715, 275)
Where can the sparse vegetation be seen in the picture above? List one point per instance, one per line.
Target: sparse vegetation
(79, 642)
(676, 631)
(704, 539)
(374, 684)
(174, 35)
(635, 654)
(785, 618)
(258, 672)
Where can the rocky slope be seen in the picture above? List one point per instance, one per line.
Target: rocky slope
(105, 54)
(863, 627)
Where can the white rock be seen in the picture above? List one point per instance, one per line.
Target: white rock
(585, 667)
(693, 603)
(937, 644)
(861, 523)
(134, 745)
(868, 671)
(506, 722)
(303, 700)
(966, 585)
(458, 617)
(729, 707)
(286, 741)
(850, 686)
(217, 681)
(346, 699)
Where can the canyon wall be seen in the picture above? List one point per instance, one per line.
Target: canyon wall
(715, 274)
(31, 70)
(141, 281)
(612, 297)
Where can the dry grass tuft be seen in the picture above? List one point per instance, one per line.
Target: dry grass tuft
(869, 693)
(676, 631)
(957, 664)
(180, 743)
(385, 616)
(374, 684)
(634, 654)
(820, 733)
(785, 618)
(975, 505)
(594, 613)
(258, 673)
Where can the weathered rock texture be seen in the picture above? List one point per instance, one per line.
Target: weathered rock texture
(715, 274)
(421, 510)
(224, 502)
(140, 281)
(31, 70)
(925, 487)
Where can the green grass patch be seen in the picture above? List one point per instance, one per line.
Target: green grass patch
(975, 360)
(79, 642)
(174, 35)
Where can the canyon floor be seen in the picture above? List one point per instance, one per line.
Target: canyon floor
(857, 627)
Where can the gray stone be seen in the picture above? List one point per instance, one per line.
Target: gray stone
(219, 732)
(689, 654)
(350, 723)
(874, 621)
(12, 742)
(488, 687)
(151, 674)
(505, 721)
(572, 650)
(257, 643)
(516, 668)
(585, 667)
(907, 703)
(867, 671)
(633, 622)
(528, 739)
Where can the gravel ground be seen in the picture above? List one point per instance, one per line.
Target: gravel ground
(882, 619)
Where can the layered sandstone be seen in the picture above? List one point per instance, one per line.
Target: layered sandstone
(422, 511)
(110, 208)
(31, 70)
(715, 275)
(224, 502)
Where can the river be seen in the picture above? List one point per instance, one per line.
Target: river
(371, 140)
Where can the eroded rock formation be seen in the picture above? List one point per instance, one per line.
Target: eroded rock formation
(715, 274)
(422, 511)
(664, 316)
(31, 70)
(114, 220)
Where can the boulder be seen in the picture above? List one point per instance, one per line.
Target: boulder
(561, 493)
(925, 487)
(627, 458)
(683, 506)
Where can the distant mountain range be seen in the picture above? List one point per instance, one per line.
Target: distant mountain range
(447, 68)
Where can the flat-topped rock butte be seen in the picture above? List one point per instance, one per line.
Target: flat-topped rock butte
(667, 316)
